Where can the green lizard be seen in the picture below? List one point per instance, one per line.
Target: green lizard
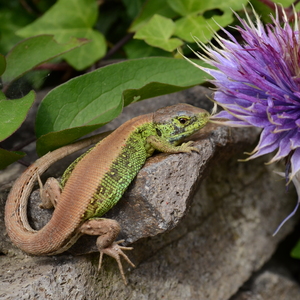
(95, 182)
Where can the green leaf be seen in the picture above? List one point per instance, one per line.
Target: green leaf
(157, 33)
(186, 7)
(7, 157)
(88, 54)
(2, 64)
(152, 7)
(72, 18)
(54, 140)
(195, 20)
(13, 113)
(198, 26)
(95, 98)
(32, 52)
(296, 251)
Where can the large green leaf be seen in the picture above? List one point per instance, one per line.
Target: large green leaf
(7, 157)
(71, 18)
(157, 33)
(32, 52)
(54, 140)
(153, 88)
(91, 100)
(13, 113)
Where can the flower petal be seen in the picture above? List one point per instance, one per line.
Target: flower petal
(295, 162)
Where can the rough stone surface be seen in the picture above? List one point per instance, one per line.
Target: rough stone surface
(47, 278)
(271, 286)
(225, 213)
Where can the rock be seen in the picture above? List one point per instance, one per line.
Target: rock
(47, 278)
(270, 286)
(201, 223)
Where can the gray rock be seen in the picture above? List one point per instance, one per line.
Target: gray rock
(271, 286)
(50, 278)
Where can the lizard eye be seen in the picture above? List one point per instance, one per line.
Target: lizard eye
(183, 120)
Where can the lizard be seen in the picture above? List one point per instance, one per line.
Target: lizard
(95, 182)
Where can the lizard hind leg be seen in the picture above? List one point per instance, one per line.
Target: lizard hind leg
(49, 192)
(107, 230)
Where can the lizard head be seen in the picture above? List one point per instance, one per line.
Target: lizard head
(176, 122)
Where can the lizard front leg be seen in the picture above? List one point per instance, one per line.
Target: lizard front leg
(164, 146)
(107, 230)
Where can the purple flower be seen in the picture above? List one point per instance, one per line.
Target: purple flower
(258, 84)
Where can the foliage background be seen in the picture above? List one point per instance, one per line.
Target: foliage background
(101, 56)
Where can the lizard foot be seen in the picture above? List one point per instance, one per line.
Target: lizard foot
(107, 230)
(187, 147)
(116, 251)
(49, 192)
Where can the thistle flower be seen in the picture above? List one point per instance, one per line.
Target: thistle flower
(258, 84)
